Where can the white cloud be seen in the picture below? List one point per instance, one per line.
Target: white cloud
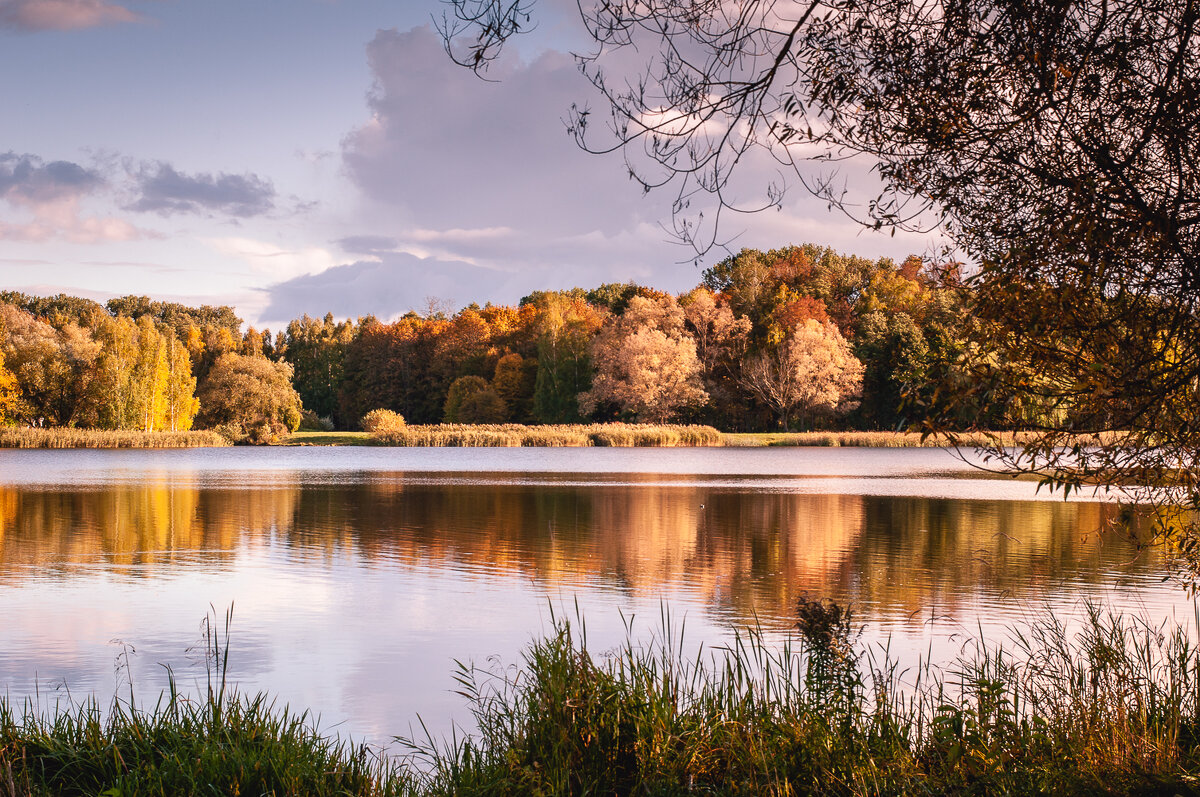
(273, 261)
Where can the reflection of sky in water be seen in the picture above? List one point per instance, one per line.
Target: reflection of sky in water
(359, 575)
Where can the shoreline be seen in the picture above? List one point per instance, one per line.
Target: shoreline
(507, 435)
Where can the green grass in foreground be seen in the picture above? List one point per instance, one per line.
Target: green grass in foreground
(1108, 709)
(24, 437)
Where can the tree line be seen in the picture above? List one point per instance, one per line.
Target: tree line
(797, 337)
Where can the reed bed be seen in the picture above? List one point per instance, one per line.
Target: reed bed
(23, 437)
(876, 439)
(579, 435)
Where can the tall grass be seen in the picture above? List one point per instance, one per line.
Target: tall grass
(24, 437)
(223, 743)
(515, 435)
(1111, 709)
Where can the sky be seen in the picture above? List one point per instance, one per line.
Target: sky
(326, 156)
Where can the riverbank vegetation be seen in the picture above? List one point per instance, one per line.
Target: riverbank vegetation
(1108, 708)
(796, 338)
(24, 437)
(851, 439)
(575, 435)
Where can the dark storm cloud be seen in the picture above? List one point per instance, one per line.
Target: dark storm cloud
(26, 178)
(40, 15)
(397, 283)
(163, 190)
(367, 244)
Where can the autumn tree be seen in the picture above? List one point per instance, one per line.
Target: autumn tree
(721, 339)
(53, 367)
(10, 395)
(812, 373)
(1054, 144)
(645, 363)
(393, 366)
(179, 405)
(143, 377)
(251, 398)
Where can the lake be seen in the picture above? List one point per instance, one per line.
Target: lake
(359, 575)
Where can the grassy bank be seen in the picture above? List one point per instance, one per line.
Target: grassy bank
(515, 435)
(16, 437)
(1108, 709)
(327, 439)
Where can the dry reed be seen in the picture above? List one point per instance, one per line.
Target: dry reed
(19, 437)
(878, 439)
(578, 435)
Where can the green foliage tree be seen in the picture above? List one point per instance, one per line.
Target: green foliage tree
(564, 367)
(461, 389)
(515, 381)
(316, 350)
(58, 310)
(893, 349)
(482, 406)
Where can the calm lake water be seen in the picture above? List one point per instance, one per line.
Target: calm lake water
(358, 575)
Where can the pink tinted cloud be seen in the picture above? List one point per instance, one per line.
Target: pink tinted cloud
(62, 219)
(40, 15)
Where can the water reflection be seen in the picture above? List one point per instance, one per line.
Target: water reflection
(740, 552)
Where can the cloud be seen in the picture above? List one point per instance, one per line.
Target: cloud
(52, 194)
(42, 15)
(447, 146)
(163, 190)
(367, 244)
(390, 286)
(26, 179)
(274, 261)
(456, 168)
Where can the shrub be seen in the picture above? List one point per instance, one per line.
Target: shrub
(311, 422)
(382, 421)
